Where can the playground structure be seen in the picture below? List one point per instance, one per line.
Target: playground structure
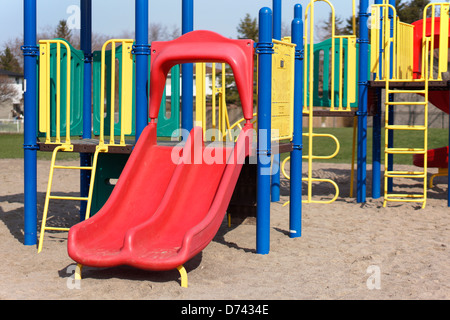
(403, 61)
(295, 76)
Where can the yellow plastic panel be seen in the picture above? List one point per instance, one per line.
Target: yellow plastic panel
(405, 59)
(44, 87)
(351, 77)
(200, 94)
(443, 41)
(375, 40)
(283, 67)
(127, 87)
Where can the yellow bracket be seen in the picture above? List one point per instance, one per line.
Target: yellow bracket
(183, 274)
(443, 172)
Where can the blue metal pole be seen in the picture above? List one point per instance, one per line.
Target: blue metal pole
(276, 34)
(30, 52)
(187, 71)
(376, 141)
(86, 46)
(142, 51)
(295, 204)
(265, 51)
(362, 111)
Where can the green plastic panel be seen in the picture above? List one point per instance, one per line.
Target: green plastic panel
(322, 74)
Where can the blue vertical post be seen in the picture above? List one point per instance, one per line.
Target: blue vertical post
(265, 51)
(86, 47)
(362, 110)
(30, 52)
(376, 140)
(142, 51)
(276, 34)
(187, 71)
(295, 204)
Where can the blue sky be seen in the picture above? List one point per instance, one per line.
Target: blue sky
(112, 17)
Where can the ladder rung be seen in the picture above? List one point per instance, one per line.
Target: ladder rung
(405, 151)
(405, 174)
(72, 167)
(68, 198)
(405, 91)
(57, 228)
(405, 127)
(406, 103)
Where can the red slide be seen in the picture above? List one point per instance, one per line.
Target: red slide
(169, 202)
(165, 208)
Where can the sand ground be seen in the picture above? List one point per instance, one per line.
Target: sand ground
(347, 250)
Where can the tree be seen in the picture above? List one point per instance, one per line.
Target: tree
(411, 11)
(325, 29)
(63, 31)
(248, 28)
(9, 62)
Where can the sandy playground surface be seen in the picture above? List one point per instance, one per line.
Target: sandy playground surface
(343, 249)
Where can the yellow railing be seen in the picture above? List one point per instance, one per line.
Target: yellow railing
(126, 79)
(308, 105)
(442, 65)
(220, 123)
(400, 43)
(44, 90)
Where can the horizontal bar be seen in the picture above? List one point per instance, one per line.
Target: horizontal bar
(405, 91)
(72, 167)
(405, 127)
(68, 198)
(406, 103)
(405, 151)
(57, 229)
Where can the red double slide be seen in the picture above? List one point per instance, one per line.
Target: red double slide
(169, 201)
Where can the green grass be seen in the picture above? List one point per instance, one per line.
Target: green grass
(11, 145)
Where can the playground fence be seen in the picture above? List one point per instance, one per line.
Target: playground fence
(11, 125)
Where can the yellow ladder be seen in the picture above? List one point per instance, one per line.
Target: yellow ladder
(49, 196)
(403, 197)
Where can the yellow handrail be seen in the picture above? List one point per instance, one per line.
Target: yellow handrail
(44, 90)
(308, 105)
(126, 90)
(443, 40)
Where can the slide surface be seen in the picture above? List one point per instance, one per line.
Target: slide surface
(166, 207)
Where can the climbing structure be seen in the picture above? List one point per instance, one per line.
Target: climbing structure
(402, 69)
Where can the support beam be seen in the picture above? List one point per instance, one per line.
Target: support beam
(295, 201)
(363, 93)
(30, 52)
(86, 47)
(187, 71)
(265, 51)
(142, 51)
